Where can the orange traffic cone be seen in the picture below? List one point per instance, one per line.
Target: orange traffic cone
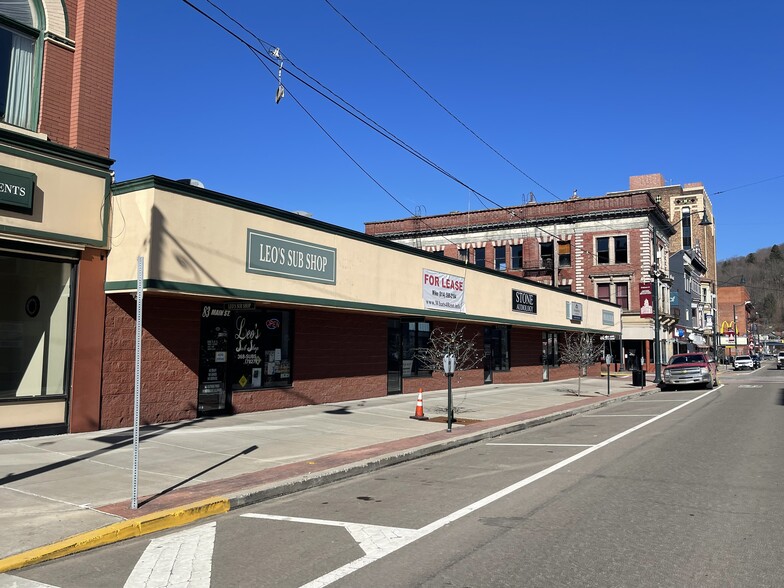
(420, 408)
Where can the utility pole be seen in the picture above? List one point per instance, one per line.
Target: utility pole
(656, 327)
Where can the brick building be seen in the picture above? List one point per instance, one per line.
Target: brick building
(693, 283)
(56, 95)
(735, 321)
(606, 247)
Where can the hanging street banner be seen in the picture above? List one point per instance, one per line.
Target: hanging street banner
(646, 300)
(443, 291)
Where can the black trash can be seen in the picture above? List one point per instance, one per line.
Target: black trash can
(638, 378)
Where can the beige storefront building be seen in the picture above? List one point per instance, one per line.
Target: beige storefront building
(247, 307)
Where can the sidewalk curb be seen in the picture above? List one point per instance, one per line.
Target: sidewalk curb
(158, 521)
(188, 513)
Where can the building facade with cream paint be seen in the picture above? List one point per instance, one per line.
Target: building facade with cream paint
(55, 96)
(247, 307)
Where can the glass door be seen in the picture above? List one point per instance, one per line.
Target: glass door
(394, 358)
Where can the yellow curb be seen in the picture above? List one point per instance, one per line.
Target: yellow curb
(158, 521)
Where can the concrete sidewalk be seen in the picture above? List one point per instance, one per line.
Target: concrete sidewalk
(68, 493)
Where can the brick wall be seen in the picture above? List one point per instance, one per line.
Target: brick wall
(56, 93)
(77, 83)
(170, 360)
(337, 357)
(646, 181)
(93, 75)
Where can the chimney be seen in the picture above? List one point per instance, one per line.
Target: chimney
(646, 181)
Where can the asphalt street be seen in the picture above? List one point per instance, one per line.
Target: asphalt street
(669, 489)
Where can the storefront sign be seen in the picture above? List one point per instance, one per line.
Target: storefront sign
(443, 291)
(646, 300)
(523, 301)
(16, 189)
(289, 258)
(574, 311)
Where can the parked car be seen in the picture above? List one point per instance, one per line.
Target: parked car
(780, 360)
(689, 369)
(743, 362)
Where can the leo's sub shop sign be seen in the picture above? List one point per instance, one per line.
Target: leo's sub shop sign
(290, 258)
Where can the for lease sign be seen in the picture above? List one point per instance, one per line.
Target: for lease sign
(443, 291)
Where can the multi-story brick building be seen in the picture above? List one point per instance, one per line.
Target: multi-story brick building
(689, 208)
(603, 247)
(57, 60)
(614, 248)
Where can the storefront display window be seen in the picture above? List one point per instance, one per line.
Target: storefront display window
(260, 350)
(35, 316)
(242, 348)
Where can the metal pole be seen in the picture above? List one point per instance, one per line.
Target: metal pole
(656, 342)
(137, 382)
(737, 331)
(449, 403)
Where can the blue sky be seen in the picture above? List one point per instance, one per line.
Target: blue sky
(576, 95)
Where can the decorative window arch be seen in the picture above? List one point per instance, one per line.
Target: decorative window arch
(24, 25)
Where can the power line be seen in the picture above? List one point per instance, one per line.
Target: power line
(434, 99)
(269, 47)
(747, 185)
(358, 115)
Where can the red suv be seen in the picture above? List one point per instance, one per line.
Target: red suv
(689, 369)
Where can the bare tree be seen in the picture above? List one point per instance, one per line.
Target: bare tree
(443, 342)
(582, 349)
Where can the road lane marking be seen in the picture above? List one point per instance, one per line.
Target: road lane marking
(368, 559)
(179, 559)
(595, 416)
(542, 444)
(665, 400)
(373, 539)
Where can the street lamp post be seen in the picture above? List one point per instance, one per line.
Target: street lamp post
(656, 325)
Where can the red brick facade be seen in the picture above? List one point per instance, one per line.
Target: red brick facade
(336, 357)
(170, 360)
(76, 85)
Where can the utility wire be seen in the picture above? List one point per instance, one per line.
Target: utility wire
(747, 185)
(434, 99)
(358, 115)
(268, 47)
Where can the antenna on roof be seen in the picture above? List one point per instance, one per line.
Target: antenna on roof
(531, 198)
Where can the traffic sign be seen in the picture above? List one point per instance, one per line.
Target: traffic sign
(607, 337)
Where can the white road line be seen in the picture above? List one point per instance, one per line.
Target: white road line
(601, 416)
(665, 399)
(373, 539)
(179, 559)
(541, 444)
(357, 564)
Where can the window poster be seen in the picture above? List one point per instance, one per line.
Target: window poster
(213, 358)
(241, 348)
(246, 351)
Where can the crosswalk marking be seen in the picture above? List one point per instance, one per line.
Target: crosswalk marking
(179, 560)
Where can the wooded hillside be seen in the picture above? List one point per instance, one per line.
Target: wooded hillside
(763, 272)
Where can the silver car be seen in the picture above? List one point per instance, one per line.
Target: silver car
(743, 362)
